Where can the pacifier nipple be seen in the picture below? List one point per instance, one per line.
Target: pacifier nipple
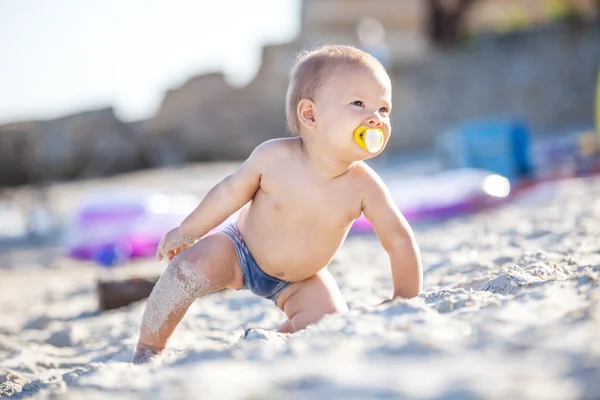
(370, 139)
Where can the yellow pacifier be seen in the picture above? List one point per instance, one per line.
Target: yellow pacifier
(370, 139)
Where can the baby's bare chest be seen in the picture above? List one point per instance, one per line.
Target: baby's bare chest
(298, 194)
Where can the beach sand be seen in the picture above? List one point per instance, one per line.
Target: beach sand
(510, 309)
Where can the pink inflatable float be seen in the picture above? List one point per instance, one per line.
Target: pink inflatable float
(112, 226)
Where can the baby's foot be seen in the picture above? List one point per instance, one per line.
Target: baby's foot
(147, 355)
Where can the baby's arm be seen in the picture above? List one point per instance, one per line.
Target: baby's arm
(395, 236)
(227, 196)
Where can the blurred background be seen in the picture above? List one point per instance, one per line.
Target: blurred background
(89, 91)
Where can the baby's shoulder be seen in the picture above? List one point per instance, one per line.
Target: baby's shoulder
(275, 148)
(369, 181)
(365, 174)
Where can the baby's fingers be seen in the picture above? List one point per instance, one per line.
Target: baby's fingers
(171, 254)
(175, 252)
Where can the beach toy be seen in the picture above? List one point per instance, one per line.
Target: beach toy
(111, 227)
(500, 145)
(370, 139)
(443, 195)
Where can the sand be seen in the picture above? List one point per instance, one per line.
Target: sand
(511, 309)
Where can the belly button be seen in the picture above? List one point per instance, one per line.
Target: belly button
(280, 275)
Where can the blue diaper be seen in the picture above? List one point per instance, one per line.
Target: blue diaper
(254, 278)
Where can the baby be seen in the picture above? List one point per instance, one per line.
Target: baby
(302, 195)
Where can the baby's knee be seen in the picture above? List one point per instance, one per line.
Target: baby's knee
(334, 306)
(187, 276)
(178, 286)
(333, 301)
(307, 317)
(303, 319)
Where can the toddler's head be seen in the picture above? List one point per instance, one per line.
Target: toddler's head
(336, 89)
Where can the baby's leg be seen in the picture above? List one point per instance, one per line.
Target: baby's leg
(208, 266)
(308, 301)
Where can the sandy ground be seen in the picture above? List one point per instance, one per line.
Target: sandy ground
(511, 309)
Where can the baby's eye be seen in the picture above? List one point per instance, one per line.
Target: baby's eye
(384, 110)
(358, 103)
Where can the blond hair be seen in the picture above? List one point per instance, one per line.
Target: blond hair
(312, 68)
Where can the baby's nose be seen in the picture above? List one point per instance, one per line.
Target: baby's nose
(375, 120)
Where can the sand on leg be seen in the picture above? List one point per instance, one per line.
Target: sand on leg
(208, 266)
(306, 302)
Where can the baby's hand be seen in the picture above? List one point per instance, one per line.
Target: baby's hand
(172, 244)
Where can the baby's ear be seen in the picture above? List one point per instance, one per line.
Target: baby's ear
(306, 113)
